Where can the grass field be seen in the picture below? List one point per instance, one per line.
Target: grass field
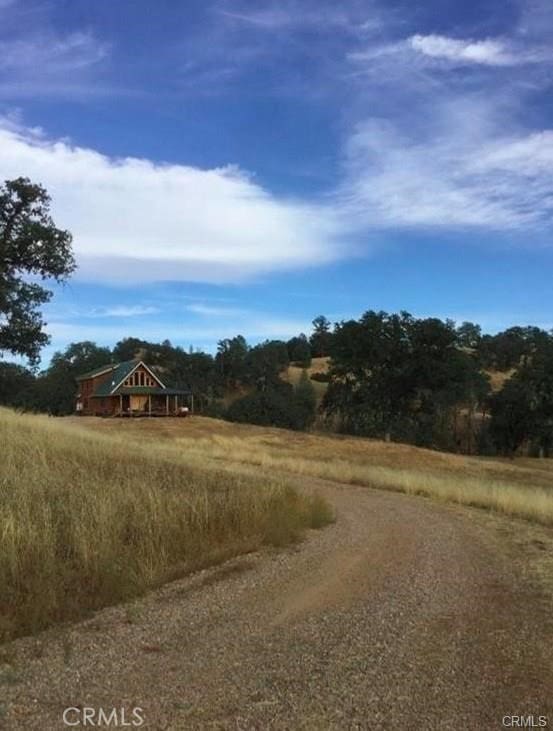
(522, 487)
(89, 519)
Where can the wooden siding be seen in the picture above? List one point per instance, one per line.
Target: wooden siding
(92, 406)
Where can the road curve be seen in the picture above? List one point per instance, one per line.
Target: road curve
(405, 614)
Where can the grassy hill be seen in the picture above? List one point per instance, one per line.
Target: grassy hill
(88, 519)
(522, 487)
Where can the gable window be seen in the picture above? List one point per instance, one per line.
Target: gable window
(140, 378)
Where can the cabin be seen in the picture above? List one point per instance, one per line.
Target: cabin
(129, 389)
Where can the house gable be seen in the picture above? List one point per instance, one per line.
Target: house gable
(139, 376)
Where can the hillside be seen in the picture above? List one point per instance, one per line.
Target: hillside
(318, 365)
(93, 518)
(514, 487)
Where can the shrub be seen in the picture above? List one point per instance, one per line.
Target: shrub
(279, 405)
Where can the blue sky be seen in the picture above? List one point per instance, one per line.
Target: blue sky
(236, 167)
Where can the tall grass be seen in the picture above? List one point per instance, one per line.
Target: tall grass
(88, 519)
(506, 489)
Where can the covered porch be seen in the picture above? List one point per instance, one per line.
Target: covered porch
(148, 401)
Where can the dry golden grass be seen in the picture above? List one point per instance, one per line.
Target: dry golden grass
(89, 519)
(521, 488)
(498, 378)
(318, 365)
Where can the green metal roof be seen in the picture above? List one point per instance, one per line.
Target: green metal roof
(97, 371)
(119, 373)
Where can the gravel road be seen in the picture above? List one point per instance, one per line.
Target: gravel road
(405, 614)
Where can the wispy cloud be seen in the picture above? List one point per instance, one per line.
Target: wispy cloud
(123, 311)
(297, 15)
(255, 327)
(38, 59)
(50, 54)
(449, 141)
(297, 46)
(199, 308)
(271, 19)
(436, 135)
(467, 169)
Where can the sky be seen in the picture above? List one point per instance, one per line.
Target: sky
(236, 167)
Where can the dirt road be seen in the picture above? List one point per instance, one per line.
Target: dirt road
(405, 614)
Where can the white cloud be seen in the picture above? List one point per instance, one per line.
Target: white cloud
(445, 52)
(134, 220)
(489, 52)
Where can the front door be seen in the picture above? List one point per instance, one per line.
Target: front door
(138, 403)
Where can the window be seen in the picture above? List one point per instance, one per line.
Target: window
(140, 378)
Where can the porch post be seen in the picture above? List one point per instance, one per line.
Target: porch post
(191, 403)
(167, 404)
(176, 398)
(149, 404)
(120, 404)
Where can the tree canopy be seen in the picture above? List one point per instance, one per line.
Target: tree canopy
(30, 245)
(399, 377)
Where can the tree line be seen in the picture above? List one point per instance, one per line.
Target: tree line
(427, 382)
(423, 381)
(241, 382)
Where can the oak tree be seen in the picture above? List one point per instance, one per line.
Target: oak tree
(31, 248)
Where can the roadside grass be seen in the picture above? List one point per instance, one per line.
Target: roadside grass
(90, 519)
(530, 501)
(521, 488)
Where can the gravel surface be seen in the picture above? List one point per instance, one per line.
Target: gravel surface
(405, 614)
